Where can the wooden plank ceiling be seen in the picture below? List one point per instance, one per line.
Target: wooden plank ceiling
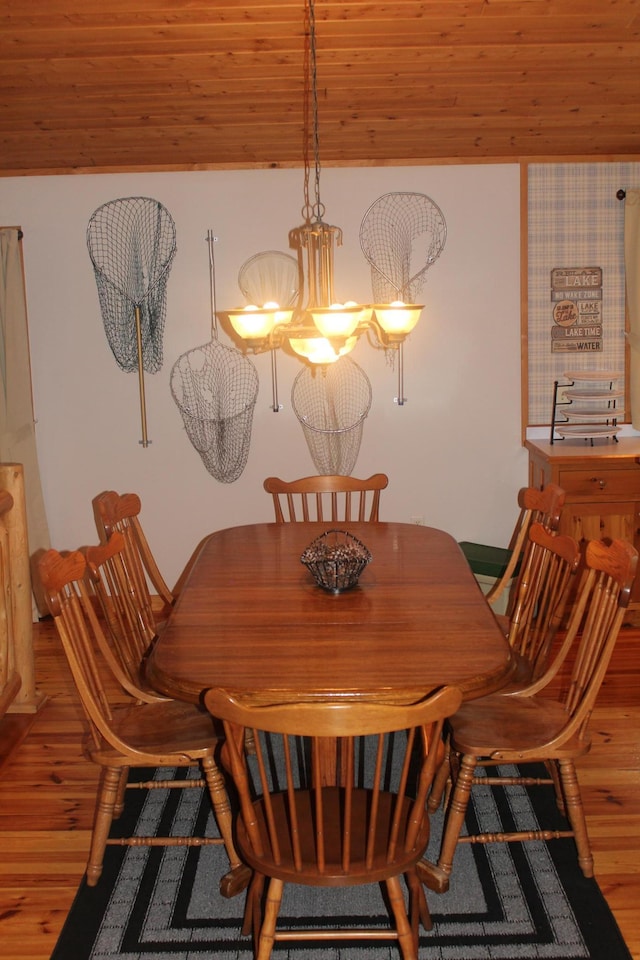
(100, 85)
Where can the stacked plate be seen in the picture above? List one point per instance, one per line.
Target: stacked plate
(591, 407)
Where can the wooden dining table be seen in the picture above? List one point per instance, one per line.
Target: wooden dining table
(250, 618)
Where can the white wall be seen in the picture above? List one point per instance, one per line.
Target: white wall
(452, 452)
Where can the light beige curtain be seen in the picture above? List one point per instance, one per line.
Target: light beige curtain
(17, 427)
(632, 275)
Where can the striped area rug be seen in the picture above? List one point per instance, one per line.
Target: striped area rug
(506, 901)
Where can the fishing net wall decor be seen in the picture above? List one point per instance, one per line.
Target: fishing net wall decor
(332, 403)
(132, 243)
(401, 235)
(215, 388)
(270, 277)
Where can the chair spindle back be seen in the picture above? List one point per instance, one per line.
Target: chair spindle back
(335, 498)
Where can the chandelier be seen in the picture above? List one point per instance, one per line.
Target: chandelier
(319, 328)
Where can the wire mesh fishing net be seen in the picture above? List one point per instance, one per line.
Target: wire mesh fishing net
(270, 277)
(401, 235)
(332, 403)
(216, 388)
(132, 243)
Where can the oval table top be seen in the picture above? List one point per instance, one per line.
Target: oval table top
(250, 618)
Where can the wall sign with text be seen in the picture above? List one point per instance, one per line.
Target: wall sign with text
(576, 297)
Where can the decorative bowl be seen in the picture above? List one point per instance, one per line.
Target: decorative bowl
(336, 559)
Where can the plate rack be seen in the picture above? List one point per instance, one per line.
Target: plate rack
(586, 406)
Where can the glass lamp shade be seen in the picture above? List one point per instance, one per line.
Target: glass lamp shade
(283, 316)
(398, 319)
(256, 323)
(338, 320)
(320, 349)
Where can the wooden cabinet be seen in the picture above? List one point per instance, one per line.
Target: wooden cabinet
(602, 483)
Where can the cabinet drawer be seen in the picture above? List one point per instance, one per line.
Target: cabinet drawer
(596, 483)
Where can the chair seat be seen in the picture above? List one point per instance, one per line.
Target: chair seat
(487, 560)
(334, 873)
(514, 728)
(159, 729)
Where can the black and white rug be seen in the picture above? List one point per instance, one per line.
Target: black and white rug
(506, 901)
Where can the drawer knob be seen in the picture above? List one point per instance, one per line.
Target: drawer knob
(601, 483)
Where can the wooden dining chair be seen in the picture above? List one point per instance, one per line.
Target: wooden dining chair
(130, 731)
(121, 512)
(497, 732)
(502, 563)
(334, 498)
(327, 802)
(126, 611)
(544, 587)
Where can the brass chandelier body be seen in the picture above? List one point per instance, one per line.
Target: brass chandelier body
(322, 330)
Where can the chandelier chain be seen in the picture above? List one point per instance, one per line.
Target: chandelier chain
(311, 210)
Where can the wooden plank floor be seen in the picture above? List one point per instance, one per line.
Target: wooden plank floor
(47, 791)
